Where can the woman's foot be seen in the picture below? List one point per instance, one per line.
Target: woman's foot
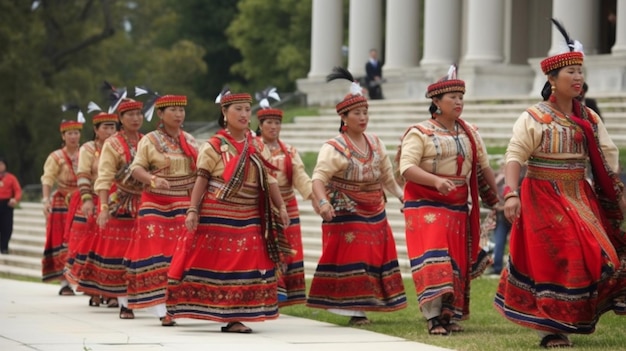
(167, 321)
(236, 327)
(358, 321)
(127, 313)
(112, 302)
(94, 301)
(436, 328)
(66, 291)
(555, 340)
(455, 327)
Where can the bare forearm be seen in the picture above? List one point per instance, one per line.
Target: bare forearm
(277, 199)
(198, 190)
(511, 174)
(142, 175)
(419, 176)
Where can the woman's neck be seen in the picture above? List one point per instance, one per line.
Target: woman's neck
(355, 136)
(71, 149)
(238, 135)
(173, 132)
(447, 123)
(132, 135)
(563, 105)
(270, 141)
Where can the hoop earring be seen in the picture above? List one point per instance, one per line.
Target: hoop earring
(552, 97)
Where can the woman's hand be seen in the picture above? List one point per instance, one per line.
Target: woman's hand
(327, 212)
(47, 209)
(444, 186)
(88, 208)
(191, 221)
(284, 216)
(161, 183)
(103, 218)
(12, 202)
(512, 208)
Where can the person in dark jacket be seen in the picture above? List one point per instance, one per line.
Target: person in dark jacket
(373, 80)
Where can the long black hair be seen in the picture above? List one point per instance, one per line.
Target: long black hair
(547, 88)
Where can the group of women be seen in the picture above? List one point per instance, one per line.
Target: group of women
(212, 231)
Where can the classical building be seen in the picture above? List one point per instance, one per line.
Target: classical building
(497, 44)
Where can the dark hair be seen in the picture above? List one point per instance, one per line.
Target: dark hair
(345, 114)
(3, 160)
(547, 88)
(222, 119)
(432, 108)
(585, 87)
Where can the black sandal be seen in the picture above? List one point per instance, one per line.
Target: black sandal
(359, 321)
(236, 327)
(66, 291)
(435, 323)
(564, 341)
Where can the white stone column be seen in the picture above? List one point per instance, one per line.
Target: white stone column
(620, 31)
(365, 33)
(442, 32)
(402, 29)
(580, 19)
(485, 34)
(326, 37)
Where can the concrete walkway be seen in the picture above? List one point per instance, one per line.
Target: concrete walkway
(34, 317)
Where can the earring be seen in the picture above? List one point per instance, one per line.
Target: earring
(344, 128)
(438, 110)
(161, 126)
(552, 97)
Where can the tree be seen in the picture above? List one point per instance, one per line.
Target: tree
(274, 38)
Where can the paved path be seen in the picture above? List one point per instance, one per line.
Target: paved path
(34, 317)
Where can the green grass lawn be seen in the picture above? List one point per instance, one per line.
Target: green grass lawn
(486, 330)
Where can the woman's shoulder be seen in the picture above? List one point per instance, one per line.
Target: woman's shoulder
(89, 146)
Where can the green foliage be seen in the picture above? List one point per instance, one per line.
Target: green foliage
(273, 38)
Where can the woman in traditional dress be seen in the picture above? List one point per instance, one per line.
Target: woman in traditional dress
(166, 164)
(290, 175)
(225, 267)
(567, 253)
(444, 162)
(59, 169)
(81, 226)
(104, 272)
(358, 270)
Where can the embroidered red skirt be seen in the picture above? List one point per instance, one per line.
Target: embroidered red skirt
(358, 269)
(81, 231)
(438, 243)
(563, 272)
(223, 272)
(160, 223)
(55, 248)
(291, 283)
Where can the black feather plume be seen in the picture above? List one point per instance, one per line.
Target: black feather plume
(340, 73)
(568, 40)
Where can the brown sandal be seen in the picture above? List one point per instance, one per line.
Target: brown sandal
(167, 321)
(126, 313)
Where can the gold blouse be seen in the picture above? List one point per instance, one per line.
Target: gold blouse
(57, 170)
(559, 138)
(299, 179)
(160, 154)
(435, 149)
(353, 166)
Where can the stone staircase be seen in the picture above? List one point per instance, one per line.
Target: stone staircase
(388, 119)
(27, 242)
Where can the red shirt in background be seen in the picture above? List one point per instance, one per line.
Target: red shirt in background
(9, 187)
